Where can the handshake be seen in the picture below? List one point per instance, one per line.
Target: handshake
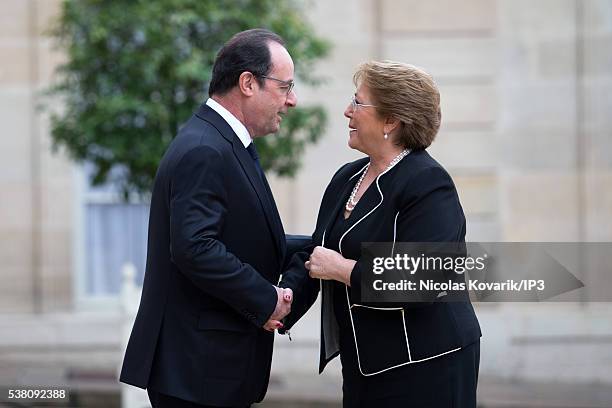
(282, 309)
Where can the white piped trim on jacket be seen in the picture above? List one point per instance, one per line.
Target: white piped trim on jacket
(350, 307)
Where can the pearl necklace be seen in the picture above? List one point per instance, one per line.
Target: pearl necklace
(351, 203)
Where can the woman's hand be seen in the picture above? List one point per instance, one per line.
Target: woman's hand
(329, 265)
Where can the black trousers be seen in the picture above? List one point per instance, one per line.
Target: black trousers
(159, 400)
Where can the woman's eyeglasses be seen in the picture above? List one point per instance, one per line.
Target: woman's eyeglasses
(355, 104)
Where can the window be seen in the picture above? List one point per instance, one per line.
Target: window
(115, 232)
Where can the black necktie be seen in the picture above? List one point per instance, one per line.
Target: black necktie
(269, 199)
(253, 152)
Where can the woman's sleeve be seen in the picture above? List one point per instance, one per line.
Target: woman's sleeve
(306, 289)
(428, 211)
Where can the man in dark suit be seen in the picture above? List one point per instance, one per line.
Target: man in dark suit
(204, 330)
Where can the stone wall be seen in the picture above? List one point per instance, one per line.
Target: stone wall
(36, 208)
(526, 135)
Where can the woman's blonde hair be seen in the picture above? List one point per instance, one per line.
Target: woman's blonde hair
(406, 93)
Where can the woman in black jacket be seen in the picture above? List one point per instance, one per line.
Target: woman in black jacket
(408, 355)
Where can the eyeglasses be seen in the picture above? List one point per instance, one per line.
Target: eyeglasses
(355, 104)
(287, 86)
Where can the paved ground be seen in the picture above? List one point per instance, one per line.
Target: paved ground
(303, 391)
(58, 350)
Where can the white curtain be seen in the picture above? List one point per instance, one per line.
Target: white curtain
(115, 233)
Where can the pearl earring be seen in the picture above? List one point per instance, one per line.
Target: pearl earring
(386, 136)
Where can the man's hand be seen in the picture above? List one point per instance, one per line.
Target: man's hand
(283, 307)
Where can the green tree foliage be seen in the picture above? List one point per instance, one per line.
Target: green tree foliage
(136, 69)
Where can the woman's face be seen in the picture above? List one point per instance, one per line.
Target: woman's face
(365, 125)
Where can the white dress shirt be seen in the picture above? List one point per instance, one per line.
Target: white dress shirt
(237, 126)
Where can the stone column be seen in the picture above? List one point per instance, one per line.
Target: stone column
(36, 220)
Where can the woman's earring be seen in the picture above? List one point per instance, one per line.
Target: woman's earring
(386, 136)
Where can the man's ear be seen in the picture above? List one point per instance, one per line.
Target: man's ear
(247, 83)
(391, 123)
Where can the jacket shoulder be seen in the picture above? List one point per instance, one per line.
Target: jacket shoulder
(348, 170)
(419, 167)
(421, 160)
(196, 134)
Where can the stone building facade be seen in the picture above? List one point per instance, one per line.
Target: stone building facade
(526, 135)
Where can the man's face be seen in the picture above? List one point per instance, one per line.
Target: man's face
(271, 101)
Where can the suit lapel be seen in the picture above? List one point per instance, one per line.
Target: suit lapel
(368, 201)
(262, 189)
(365, 204)
(264, 194)
(280, 232)
(341, 195)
